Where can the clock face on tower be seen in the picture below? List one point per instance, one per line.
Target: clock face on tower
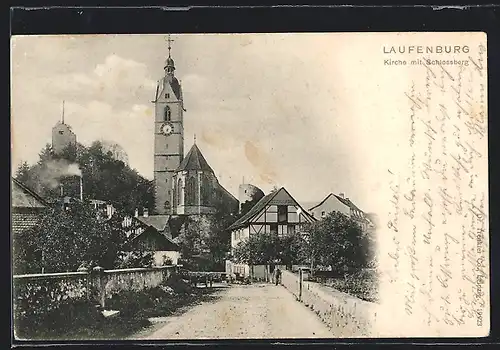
(167, 129)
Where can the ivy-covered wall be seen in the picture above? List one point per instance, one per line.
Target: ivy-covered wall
(59, 297)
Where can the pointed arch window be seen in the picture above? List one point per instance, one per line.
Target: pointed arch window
(190, 191)
(206, 190)
(168, 114)
(174, 193)
(179, 192)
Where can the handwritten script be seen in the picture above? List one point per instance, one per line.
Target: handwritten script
(439, 202)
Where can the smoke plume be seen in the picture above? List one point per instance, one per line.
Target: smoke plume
(52, 172)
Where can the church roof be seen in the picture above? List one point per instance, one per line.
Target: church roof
(176, 88)
(194, 160)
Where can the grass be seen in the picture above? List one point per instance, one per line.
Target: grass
(135, 309)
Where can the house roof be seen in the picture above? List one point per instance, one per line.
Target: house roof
(261, 204)
(373, 218)
(194, 160)
(323, 201)
(23, 221)
(309, 204)
(345, 201)
(164, 239)
(23, 197)
(350, 204)
(156, 224)
(159, 222)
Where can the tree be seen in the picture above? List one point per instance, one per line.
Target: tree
(64, 240)
(104, 176)
(292, 249)
(337, 241)
(23, 172)
(259, 249)
(269, 248)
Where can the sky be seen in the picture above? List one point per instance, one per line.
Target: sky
(279, 110)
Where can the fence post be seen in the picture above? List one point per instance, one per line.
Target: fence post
(99, 285)
(88, 281)
(301, 278)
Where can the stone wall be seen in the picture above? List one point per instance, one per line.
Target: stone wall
(346, 315)
(45, 292)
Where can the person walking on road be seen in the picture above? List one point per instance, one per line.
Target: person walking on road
(278, 276)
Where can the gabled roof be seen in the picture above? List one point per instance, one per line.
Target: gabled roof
(343, 200)
(323, 201)
(23, 197)
(261, 204)
(309, 204)
(350, 204)
(156, 224)
(194, 160)
(163, 238)
(159, 222)
(23, 221)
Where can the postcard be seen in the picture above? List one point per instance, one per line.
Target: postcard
(250, 186)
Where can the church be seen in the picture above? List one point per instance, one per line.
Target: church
(185, 186)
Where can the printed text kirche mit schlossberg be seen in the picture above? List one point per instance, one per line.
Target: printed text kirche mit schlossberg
(446, 49)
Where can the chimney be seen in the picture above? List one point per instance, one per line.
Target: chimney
(145, 213)
(136, 214)
(342, 194)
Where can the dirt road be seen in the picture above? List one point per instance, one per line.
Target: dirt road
(245, 311)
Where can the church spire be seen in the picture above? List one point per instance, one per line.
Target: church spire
(169, 64)
(169, 42)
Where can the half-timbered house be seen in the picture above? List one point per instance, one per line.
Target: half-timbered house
(278, 213)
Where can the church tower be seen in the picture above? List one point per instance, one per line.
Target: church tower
(168, 135)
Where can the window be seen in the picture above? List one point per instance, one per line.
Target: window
(291, 229)
(168, 114)
(167, 205)
(282, 214)
(323, 214)
(61, 132)
(190, 191)
(274, 228)
(179, 192)
(167, 95)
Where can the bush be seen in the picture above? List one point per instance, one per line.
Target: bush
(178, 284)
(134, 259)
(362, 284)
(70, 315)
